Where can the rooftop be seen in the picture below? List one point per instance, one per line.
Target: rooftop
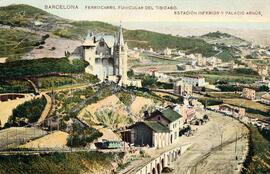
(194, 77)
(156, 126)
(170, 114)
(266, 96)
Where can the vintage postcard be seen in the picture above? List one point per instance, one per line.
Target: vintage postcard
(134, 86)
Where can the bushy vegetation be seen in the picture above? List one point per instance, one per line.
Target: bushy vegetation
(111, 117)
(246, 71)
(210, 101)
(15, 43)
(173, 100)
(217, 34)
(87, 78)
(149, 81)
(54, 81)
(125, 98)
(263, 88)
(40, 67)
(258, 161)
(59, 163)
(15, 86)
(81, 136)
(28, 112)
(230, 88)
(66, 101)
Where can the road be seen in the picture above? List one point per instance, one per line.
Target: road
(47, 108)
(214, 148)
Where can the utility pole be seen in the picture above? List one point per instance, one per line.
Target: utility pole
(235, 149)
(7, 139)
(221, 140)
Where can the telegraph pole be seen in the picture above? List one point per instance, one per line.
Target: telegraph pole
(221, 138)
(235, 148)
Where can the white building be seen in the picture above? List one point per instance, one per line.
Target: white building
(107, 57)
(265, 98)
(183, 89)
(167, 52)
(194, 81)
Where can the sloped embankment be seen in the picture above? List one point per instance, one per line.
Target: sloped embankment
(61, 163)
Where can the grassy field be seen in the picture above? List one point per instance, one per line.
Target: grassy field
(247, 104)
(237, 75)
(224, 95)
(61, 163)
(15, 43)
(213, 78)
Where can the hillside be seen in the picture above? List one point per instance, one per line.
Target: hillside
(35, 19)
(61, 163)
(223, 38)
(27, 16)
(15, 43)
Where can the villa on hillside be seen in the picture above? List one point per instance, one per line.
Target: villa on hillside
(194, 81)
(265, 99)
(232, 110)
(249, 93)
(182, 88)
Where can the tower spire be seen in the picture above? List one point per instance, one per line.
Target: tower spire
(120, 36)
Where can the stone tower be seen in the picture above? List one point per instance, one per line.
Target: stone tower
(120, 50)
(89, 52)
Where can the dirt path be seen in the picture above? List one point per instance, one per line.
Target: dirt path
(47, 108)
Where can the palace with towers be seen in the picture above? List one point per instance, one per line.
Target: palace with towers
(107, 57)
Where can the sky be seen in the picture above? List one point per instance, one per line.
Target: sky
(157, 19)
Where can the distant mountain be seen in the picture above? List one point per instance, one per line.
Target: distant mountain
(223, 38)
(217, 35)
(27, 16)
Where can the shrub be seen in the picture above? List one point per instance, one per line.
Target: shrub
(125, 98)
(28, 112)
(80, 137)
(40, 67)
